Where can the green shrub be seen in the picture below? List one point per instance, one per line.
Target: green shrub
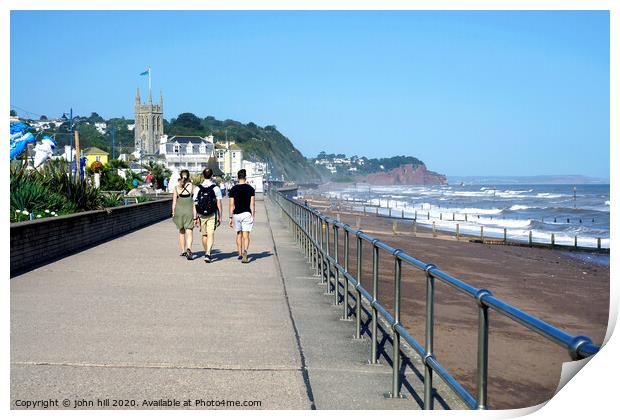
(77, 191)
(112, 199)
(111, 181)
(28, 192)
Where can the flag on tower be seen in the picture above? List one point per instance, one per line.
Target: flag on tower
(145, 72)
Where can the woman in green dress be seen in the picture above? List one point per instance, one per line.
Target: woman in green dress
(184, 213)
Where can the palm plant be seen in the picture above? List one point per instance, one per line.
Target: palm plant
(158, 172)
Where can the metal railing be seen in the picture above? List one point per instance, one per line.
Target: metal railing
(311, 230)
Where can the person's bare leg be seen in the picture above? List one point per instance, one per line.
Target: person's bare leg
(182, 239)
(189, 238)
(238, 240)
(210, 239)
(246, 241)
(205, 244)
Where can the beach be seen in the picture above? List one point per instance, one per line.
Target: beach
(571, 293)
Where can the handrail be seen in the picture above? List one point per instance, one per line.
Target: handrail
(311, 230)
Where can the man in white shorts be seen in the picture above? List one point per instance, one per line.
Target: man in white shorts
(241, 214)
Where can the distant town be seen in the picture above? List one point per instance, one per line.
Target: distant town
(194, 143)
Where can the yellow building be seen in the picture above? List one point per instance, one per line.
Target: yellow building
(93, 154)
(229, 157)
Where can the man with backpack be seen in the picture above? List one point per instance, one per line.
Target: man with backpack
(208, 199)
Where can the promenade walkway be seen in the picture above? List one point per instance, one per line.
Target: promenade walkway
(131, 320)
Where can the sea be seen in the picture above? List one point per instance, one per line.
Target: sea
(566, 211)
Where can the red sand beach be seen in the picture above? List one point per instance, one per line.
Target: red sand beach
(524, 368)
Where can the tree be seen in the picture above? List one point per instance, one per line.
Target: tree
(158, 172)
(95, 118)
(43, 118)
(188, 120)
(90, 137)
(96, 167)
(13, 113)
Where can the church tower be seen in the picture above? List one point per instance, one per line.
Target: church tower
(149, 126)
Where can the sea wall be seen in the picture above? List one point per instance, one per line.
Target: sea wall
(38, 241)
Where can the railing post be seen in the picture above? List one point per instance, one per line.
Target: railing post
(428, 345)
(310, 234)
(395, 335)
(315, 226)
(458, 235)
(345, 292)
(358, 296)
(323, 260)
(375, 292)
(483, 349)
(336, 271)
(328, 278)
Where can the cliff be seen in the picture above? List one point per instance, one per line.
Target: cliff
(407, 174)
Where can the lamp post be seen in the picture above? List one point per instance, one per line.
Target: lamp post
(70, 157)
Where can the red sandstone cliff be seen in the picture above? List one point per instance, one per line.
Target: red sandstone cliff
(404, 175)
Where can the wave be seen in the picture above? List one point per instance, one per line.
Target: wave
(520, 207)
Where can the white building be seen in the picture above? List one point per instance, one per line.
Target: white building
(186, 152)
(255, 168)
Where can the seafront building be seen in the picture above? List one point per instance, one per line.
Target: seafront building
(185, 152)
(229, 158)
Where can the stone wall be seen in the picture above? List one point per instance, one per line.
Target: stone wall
(36, 242)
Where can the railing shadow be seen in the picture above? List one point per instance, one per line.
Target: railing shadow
(384, 344)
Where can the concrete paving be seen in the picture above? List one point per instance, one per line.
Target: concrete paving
(130, 320)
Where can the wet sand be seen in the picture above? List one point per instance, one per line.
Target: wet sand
(524, 368)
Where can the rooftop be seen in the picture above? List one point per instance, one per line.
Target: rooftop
(95, 151)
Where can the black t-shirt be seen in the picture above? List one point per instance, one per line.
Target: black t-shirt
(242, 193)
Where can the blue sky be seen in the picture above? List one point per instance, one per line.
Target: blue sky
(469, 93)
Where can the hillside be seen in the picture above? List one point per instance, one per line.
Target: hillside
(395, 170)
(264, 144)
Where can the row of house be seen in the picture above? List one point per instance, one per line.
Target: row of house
(335, 163)
(175, 152)
(188, 152)
(193, 153)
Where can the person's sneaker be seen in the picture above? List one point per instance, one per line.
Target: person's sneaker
(183, 254)
(207, 258)
(189, 255)
(245, 257)
(239, 257)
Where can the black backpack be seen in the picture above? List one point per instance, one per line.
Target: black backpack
(206, 203)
